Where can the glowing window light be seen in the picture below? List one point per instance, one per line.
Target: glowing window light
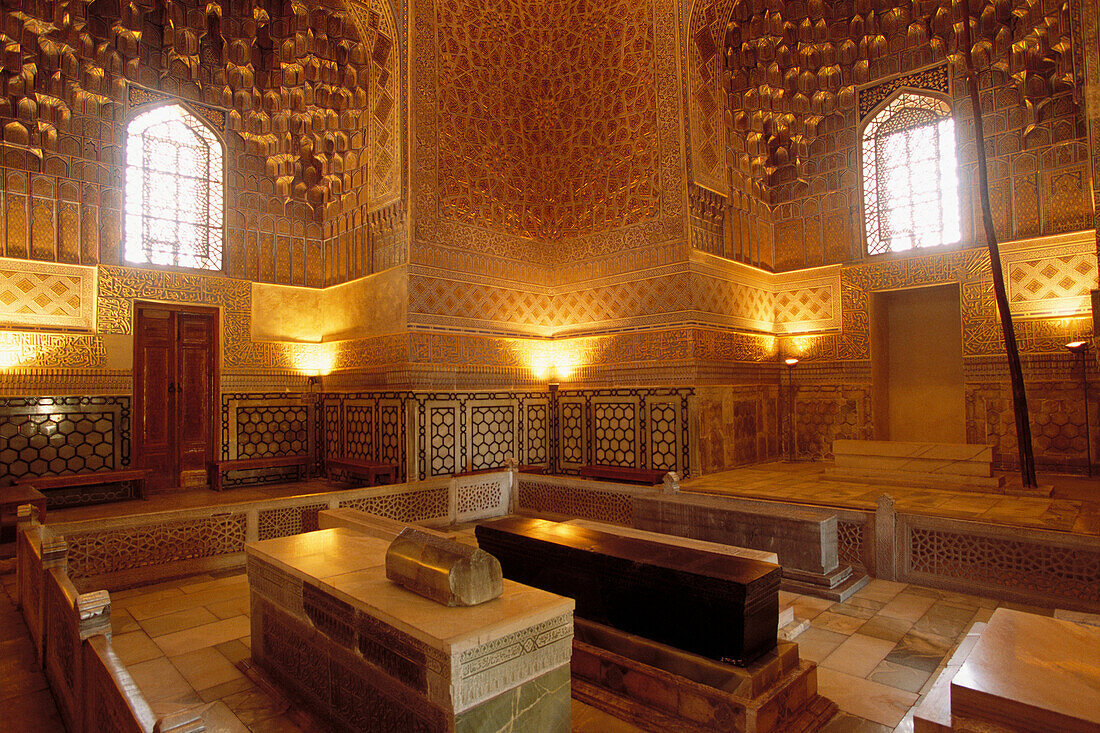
(174, 190)
(910, 177)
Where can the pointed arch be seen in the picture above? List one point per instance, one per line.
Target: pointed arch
(174, 190)
(910, 174)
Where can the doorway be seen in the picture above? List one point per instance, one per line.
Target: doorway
(175, 393)
(917, 365)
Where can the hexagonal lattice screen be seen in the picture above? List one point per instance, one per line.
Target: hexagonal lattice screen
(391, 435)
(615, 437)
(572, 432)
(57, 443)
(492, 436)
(359, 440)
(442, 438)
(536, 433)
(267, 431)
(663, 429)
(333, 444)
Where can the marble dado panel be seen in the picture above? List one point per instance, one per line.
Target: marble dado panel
(47, 295)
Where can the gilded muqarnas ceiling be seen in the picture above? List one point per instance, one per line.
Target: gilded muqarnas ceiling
(299, 81)
(768, 79)
(548, 125)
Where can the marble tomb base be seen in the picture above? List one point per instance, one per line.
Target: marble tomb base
(658, 687)
(1029, 674)
(803, 538)
(368, 655)
(959, 466)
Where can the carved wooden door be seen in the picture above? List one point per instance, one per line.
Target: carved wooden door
(175, 380)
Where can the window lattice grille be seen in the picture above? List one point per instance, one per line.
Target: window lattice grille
(910, 178)
(174, 190)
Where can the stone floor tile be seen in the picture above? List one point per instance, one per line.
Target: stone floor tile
(885, 627)
(252, 706)
(816, 644)
(135, 647)
(181, 642)
(231, 607)
(907, 606)
(845, 723)
(920, 650)
(808, 606)
(206, 667)
(169, 623)
(122, 622)
(945, 620)
(839, 622)
(900, 676)
(868, 603)
(906, 724)
(238, 580)
(858, 655)
(863, 698)
(217, 692)
(277, 724)
(234, 650)
(855, 611)
(880, 590)
(158, 679)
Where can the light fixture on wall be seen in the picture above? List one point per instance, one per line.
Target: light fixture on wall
(1080, 349)
(791, 363)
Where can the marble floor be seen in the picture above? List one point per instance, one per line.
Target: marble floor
(804, 483)
(186, 642)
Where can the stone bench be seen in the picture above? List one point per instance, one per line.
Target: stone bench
(804, 538)
(220, 468)
(625, 474)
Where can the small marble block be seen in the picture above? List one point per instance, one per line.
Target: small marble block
(445, 571)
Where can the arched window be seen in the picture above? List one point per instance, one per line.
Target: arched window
(910, 180)
(174, 190)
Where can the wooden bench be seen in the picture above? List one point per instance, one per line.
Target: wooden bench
(371, 471)
(46, 484)
(625, 474)
(220, 468)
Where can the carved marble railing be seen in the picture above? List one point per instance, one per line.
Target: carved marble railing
(71, 632)
(143, 548)
(566, 497)
(1008, 562)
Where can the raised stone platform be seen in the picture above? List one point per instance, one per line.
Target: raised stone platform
(1018, 673)
(658, 687)
(369, 655)
(1030, 674)
(803, 538)
(932, 465)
